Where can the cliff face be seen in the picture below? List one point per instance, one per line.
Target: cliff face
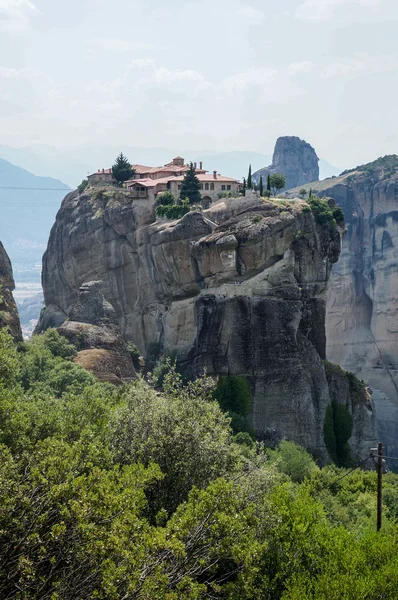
(8, 311)
(362, 324)
(294, 158)
(237, 289)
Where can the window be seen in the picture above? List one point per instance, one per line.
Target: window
(223, 188)
(212, 186)
(228, 187)
(179, 186)
(201, 186)
(206, 186)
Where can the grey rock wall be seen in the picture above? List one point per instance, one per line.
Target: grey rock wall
(237, 289)
(294, 158)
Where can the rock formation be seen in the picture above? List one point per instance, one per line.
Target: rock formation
(8, 311)
(90, 323)
(362, 307)
(294, 158)
(237, 289)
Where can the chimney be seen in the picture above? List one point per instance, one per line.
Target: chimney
(103, 170)
(215, 174)
(99, 170)
(194, 164)
(200, 165)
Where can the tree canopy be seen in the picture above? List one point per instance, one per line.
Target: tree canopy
(122, 169)
(143, 493)
(277, 182)
(190, 186)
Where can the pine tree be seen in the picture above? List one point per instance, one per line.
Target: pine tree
(249, 178)
(122, 169)
(190, 187)
(269, 183)
(261, 189)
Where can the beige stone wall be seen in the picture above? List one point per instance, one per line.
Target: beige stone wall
(212, 194)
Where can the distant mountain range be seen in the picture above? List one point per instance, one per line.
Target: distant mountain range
(73, 164)
(28, 205)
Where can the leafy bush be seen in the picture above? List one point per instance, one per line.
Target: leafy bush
(82, 186)
(165, 198)
(133, 493)
(324, 214)
(294, 461)
(175, 211)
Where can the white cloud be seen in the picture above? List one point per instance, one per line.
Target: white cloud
(15, 15)
(253, 14)
(325, 10)
(360, 64)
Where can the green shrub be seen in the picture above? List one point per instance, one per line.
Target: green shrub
(337, 431)
(165, 198)
(294, 461)
(234, 396)
(82, 186)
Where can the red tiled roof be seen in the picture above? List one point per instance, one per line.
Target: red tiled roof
(141, 169)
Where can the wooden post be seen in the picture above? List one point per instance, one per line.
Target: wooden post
(379, 483)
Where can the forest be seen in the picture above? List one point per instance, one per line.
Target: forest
(145, 491)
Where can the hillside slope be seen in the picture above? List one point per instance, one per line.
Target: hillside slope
(28, 205)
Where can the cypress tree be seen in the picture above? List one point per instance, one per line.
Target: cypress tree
(244, 186)
(190, 187)
(249, 178)
(310, 193)
(261, 189)
(269, 183)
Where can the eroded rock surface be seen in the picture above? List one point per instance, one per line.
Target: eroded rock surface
(362, 307)
(237, 289)
(8, 310)
(90, 324)
(294, 158)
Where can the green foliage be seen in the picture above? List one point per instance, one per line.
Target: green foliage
(277, 182)
(294, 461)
(8, 358)
(303, 192)
(175, 211)
(136, 493)
(165, 198)
(249, 178)
(122, 169)
(388, 163)
(324, 214)
(261, 186)
(190, 187)
(234, 396)
(269, 184)
(82, 186)
(337, 431)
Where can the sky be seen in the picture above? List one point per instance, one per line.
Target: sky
(204, 74)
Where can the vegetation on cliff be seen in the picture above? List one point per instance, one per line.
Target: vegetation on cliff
(133, 493)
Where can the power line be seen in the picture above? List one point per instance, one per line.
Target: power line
(9, 187)
(352, 470)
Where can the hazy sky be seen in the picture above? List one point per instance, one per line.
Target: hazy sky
(203, 74)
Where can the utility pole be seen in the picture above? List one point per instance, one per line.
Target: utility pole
(379, 483)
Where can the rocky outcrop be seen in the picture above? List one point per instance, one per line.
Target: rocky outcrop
(237, 289)
(362, 307)
(294, 158)
(8, 311)
(90, 324)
